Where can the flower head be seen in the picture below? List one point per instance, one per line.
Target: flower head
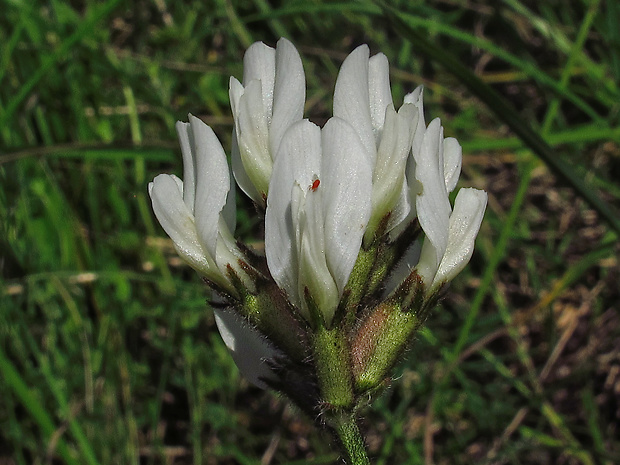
(348, 209)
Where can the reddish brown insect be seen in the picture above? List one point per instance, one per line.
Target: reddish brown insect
(315, 184)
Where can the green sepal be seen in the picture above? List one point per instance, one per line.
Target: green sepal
(333, 366)
(378, 343)
(386, 331)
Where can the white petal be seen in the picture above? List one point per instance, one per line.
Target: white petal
(347, 185)
(351, 97)
(389, 172)
(469, 208)
(289, 92)
(379, 90)
(235, 91)
(452, 162)
(250, 350)
(297, 161)
(178, 222)
(298, 216)
(229, 212)
(427, 263)
(433, 206)
(413, 185)
(212, 183)
(313, 271)
(407, 201)
(253, 137)
(242, 178)
(189, 175)
(402, 213)
(417, 98)
(259, 63)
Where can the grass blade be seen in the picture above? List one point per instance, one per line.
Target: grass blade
(85, 29)
(32, 404)
(505, 112)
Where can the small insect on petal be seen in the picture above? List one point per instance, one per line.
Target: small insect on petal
(315, 184)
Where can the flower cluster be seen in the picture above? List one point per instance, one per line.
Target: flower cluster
(360, 235)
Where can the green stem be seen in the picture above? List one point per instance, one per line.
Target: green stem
(351, 440)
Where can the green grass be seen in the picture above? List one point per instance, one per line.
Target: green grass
(107, 351)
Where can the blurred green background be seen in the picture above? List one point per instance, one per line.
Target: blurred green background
(108, 354)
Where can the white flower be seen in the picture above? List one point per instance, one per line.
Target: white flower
(270, 99)
(449, 235)
(363, 98)
(317, 211)
(198, 213)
